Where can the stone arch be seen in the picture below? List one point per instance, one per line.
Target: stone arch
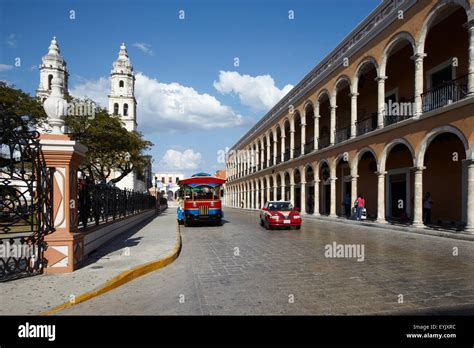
(389, 147)
(397, 38)
(420, 156)
(362, 64)
(341, 79)
(358, 156)
(432, 16)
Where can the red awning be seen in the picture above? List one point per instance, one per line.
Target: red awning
(203, 180)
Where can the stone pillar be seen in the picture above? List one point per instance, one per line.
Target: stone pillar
(292, 193)
(262, 156)
(275, 190)
(262, 196)
(470, 77)
(418, 58)
(332, 210)
(381, 198)
(303, 137)
(269, 146)
(380, 100)
(303, 196)
(316, 197)
(257, 158)
(65, 251)
(316, 125)
(275, 150)
(353, 189)
(332, 131)
(282, 147)
(354, 114)
(251, 196)
(282, 189)
(268, 192)
(418, 198)
(470, 198)
(292, 142)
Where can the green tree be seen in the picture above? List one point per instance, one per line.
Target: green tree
(15, 102)
(110, 146)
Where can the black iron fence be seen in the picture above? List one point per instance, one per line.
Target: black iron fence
(342, 134)
(449, 92)
(101, 203)
(366, 125)
(323, 142)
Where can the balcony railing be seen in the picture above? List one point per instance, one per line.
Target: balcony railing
(367, 125)
(309, 146)
(449, 92)
(296, 152)
(278, 159)
(323, 142)
(342, 134)
(286, 156)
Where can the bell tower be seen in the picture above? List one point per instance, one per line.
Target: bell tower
(122, 90)
(52, 67)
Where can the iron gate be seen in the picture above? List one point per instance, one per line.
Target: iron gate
(26, 204)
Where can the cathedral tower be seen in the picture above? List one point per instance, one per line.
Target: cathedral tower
(122, 92)
(53, 66)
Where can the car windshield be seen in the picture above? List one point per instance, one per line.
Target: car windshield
(280, 206)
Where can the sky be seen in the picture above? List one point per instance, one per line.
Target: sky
(206, 70)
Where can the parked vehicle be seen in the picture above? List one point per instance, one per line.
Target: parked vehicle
(280, 214)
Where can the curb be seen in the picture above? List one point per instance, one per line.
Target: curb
(124, 277)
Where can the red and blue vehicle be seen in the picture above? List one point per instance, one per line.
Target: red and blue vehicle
(199, 200)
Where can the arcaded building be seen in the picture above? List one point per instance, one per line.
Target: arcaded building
(388, 114)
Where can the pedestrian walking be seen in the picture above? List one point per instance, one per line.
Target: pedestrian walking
(427, 205)
(360, 206)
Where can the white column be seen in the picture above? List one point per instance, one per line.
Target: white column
(316, 125)
(303, 196)
(303, 137)
(251, 195)
(275, 147)
(418, 58)
(275, 190)
(292, 142)
(292, 193)
(262, 156)
(257, 158)
(316, 197)
(354, 114)
(269, 146)
(381, 198)
(282, 147)
(268, 191)
(282, 189)
(332, 131)
(262, 196)
(353, 189)
(332, 211)
(418, 198)
(470, 77)
(470, 198)
(380, 100)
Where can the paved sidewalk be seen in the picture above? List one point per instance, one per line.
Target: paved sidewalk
(150, 241)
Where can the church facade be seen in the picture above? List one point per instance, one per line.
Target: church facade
(121, 99)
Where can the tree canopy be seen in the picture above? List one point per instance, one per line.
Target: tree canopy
(110, 146)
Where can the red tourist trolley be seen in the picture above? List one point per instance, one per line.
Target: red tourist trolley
(199, 199)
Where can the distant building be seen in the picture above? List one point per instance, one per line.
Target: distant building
(167, 184)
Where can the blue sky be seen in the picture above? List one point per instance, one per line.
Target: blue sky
(177, 61)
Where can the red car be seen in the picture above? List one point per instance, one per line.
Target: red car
(280, 214)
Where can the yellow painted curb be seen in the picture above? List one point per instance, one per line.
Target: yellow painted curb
(125, 277)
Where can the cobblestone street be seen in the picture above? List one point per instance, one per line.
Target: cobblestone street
(286, 272)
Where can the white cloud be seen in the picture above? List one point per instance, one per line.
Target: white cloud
(144, 47)
(259, 92)
(166, 107)
(5, 67)
(181, 160)
(12, 40)
(96, 90)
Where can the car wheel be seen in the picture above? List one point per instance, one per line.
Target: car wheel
(267, 225)
(298, 227)
(261, 222)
